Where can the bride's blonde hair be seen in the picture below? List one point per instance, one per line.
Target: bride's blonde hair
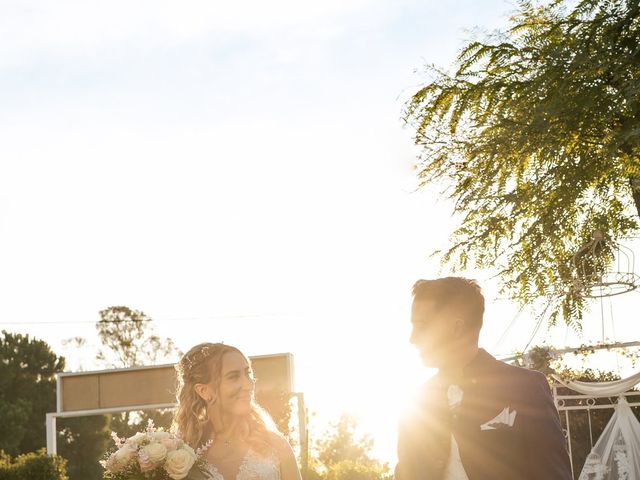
(202, 364)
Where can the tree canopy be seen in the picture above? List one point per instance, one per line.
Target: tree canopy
(82, 441)
(27, 391)
(342, 443)
(128, 339)
(535, 134)
(343, 454)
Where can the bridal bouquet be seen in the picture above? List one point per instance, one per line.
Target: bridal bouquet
(151, 455)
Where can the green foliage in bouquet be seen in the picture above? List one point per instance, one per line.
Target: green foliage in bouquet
(33, 466)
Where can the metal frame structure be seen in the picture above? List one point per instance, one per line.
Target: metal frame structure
(604, 268)
(580, 402)
(61, 413)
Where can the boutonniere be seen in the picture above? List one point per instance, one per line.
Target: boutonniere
(454, 396)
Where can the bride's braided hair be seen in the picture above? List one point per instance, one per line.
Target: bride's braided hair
(191, 421)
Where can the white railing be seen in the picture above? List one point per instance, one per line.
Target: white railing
(581, 402)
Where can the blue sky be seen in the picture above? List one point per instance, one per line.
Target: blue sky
(239, 171)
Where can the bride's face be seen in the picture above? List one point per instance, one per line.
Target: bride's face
(236, 385)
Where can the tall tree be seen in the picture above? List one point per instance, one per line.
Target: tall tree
(128, 339)
(536, 135)
(343, 454)
(83, 442)
(342, 442)
(27, 391)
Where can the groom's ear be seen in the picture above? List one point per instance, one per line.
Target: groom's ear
(459, 327)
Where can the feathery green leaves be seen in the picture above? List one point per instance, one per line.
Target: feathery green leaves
(537, 136)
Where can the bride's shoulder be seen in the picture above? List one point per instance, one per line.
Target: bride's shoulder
(288, 464)
(279, 444)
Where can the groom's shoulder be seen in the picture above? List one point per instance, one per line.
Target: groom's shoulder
(497, 368)
(521, 375)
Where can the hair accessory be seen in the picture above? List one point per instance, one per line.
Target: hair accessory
(198, 357)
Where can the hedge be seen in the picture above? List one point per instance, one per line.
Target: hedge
(33, 466)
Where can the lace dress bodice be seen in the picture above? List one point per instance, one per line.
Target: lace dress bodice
(252, 467)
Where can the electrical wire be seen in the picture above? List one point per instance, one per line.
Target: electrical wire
(155, 320)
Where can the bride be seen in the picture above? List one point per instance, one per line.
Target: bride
(216, 405)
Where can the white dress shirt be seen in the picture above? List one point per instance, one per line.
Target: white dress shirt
(454, 469)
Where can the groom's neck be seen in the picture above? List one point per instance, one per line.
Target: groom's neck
(453, 371)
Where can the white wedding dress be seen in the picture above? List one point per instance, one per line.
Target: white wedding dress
(252, 467)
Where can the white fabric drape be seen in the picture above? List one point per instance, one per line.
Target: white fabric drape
(616, 454)
(601, 389)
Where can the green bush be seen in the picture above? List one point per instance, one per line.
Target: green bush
(350, 470)
(33, 466)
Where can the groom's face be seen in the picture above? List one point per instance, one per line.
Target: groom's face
(433, 332)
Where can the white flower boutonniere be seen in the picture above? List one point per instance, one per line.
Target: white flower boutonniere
(454, 396)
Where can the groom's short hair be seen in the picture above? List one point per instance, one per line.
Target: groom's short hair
(459, 292)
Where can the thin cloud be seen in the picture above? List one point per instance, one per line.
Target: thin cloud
(70, 28)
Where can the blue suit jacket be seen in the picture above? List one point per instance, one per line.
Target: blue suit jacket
(532, 449)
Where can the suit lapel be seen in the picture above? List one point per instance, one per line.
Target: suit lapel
(440, 428)
(485, 397)
(425, 436)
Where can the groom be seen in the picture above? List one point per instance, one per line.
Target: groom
(478, 418)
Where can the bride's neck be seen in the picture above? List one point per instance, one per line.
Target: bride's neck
(232, 428)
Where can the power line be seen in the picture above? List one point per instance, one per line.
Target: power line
(509, 327)
(158, 320)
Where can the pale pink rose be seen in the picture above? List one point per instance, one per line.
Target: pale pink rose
(170, 443)
(160, 435)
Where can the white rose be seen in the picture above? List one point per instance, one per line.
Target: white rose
(137, 438)
(124, 455)
(189, 449)
(454, 396)
(155, 451)
(179, 462)
(160, 435)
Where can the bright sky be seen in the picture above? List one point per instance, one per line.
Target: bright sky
(239, 172)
